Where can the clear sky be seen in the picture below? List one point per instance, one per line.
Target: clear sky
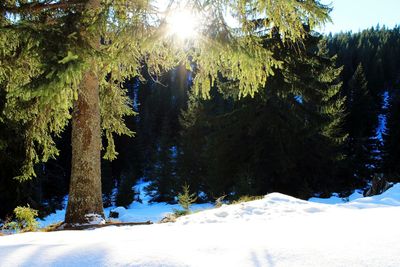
(357, 15)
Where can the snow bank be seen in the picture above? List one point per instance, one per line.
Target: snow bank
(356, 200)
(277, 230)
(277, 205)
(136, 212)
(389, 198)
(274, 205)
(335, 199)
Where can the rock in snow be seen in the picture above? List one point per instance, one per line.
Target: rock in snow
(277, 230)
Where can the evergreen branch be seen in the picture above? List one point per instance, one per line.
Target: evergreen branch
(35, 8)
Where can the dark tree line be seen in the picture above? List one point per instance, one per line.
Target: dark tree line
(316, 128)
(288, 138)
(371, 78)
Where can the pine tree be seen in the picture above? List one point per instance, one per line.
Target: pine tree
(192, 166)
(65, 61)
(126, 193)
(361, 124)
(288, 138)
(107, 182)
(163, 187)
(391, 137)
(186, 199)
(377, 50)
(160, 129)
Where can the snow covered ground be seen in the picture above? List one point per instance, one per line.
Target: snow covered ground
(136, 212)
(277, 230)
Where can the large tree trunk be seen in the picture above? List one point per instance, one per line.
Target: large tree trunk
(85, 195)
(85, 188)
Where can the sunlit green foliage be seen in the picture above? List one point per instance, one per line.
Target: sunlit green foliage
(47, 46)
(185, 198)
(25, 220)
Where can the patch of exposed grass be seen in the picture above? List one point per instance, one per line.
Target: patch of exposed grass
(52, 227)
(246, 199)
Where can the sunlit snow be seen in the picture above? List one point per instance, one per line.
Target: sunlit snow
(277, 230)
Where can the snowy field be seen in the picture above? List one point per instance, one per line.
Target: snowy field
(277, 230)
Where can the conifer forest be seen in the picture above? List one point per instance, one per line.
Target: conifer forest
(200, 133)
(90, 89)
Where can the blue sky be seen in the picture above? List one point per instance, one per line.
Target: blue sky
(357, 15)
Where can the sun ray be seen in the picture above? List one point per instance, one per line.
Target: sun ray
(183, 24)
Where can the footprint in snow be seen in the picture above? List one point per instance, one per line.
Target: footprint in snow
(312, 210)
(289, 210)
(259, 212)
(222, 214)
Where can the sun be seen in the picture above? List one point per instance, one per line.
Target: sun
(183, 24)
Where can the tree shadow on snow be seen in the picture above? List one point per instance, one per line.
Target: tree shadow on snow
(262, 259)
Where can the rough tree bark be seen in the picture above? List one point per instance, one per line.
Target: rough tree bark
(85, 187)
(85, 196)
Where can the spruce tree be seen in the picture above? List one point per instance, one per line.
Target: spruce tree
(192, 164)
(377, 50)
(391, 137)
(163, 174)
(288, 138)
(65, 60)
(361, 124)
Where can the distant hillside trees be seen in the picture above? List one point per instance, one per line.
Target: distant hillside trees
(371, 71)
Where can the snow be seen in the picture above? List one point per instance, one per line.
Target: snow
(389, 198)
(136, 212)
(142, 212)
(277, 230)
(356, 200)
(95, 219)
(335, 199)
(56, 217)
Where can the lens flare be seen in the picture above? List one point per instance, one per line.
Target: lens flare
(183, 24)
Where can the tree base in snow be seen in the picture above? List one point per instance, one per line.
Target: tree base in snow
(378, 186)
(66, 226)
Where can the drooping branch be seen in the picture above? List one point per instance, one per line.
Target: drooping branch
(34, 8)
